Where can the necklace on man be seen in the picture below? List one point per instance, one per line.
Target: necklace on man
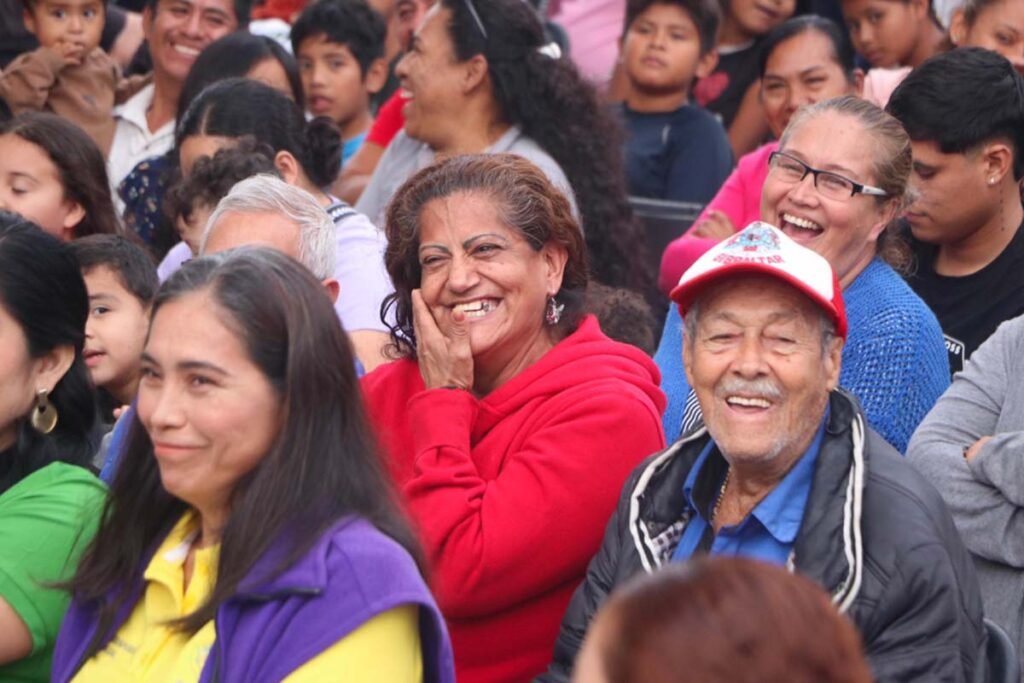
(721, 495)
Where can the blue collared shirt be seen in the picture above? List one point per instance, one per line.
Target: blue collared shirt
(770, 529)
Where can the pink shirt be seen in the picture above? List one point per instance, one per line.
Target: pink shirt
(739, 199)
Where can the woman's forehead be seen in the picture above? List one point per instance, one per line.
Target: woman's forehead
(833, 141)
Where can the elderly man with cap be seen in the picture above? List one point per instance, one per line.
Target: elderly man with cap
(787, 471)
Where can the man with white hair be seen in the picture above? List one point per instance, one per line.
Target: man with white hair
(266, 211)
(787, 471)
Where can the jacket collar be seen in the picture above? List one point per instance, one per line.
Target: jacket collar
(828, 547)
(305, 574)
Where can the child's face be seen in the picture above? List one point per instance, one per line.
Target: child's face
(757, 17)
(332, 80)
(30, 184)
(191, 229)
(884, 31)
(998, 27)
(115, 334)
(73, 25)
(661, 50)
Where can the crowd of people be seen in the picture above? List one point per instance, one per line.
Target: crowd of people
(334, 344)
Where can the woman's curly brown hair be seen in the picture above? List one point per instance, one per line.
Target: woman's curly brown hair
(526, 201)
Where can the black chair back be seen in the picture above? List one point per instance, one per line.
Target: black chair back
(663, 222)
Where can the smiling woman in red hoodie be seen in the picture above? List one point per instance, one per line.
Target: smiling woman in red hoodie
(511, 421)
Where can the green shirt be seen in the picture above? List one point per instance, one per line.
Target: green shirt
(46, 520)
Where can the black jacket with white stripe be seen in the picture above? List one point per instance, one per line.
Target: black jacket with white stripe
(875, 535)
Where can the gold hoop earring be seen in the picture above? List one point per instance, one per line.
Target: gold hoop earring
(44, 414)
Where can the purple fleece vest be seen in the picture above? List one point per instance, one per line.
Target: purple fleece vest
(270, 628)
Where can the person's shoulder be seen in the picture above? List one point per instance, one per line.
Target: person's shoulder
(368, 557)
(880, 293)
(757, 159)
(57, 496)
(402, 145)
(895, 490)
(353, 225)
(394, 380)
(598, 355)
(58, 481)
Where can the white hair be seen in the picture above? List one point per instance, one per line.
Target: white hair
(264, 193)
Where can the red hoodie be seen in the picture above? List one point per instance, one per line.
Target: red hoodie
(511, 493)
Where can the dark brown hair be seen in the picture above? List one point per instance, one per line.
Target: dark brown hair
(213, 177)
(727, 620)
(79, 162)
(559, 110)
(322, 465)
(526, 201)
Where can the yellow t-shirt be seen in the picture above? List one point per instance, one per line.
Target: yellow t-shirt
(386, 648)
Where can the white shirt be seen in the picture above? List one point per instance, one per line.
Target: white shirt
(133, 141)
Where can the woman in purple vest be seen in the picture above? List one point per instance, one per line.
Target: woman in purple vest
(250, 533)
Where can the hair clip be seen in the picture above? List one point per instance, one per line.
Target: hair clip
(551, 50)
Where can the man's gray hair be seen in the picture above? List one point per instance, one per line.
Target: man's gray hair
(266, 194)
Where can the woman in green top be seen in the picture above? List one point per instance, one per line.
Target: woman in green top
(49, 498)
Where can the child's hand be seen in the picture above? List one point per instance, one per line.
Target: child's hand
(118, 412)
(71, 53)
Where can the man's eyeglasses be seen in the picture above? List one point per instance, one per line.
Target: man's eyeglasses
(789, 169)
(476, 17)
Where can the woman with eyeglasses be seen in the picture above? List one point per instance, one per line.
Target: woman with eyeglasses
(805, 60)
(835, 185)
(480, 78)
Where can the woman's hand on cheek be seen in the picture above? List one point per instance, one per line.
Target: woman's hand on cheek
(445, 360)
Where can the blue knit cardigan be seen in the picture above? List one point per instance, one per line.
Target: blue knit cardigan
(894, 361)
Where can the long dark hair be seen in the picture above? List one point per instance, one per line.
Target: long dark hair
(525, 200)
(82, 169)
(238, 106)
(41, 288)
(553, 105)
(322, 465)
(234, 56)
(842, 49)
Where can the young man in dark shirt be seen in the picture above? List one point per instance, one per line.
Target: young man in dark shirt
(964, 112)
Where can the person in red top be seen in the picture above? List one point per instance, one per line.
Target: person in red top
(510, 421)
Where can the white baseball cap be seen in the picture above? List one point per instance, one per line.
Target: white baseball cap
(764, 249)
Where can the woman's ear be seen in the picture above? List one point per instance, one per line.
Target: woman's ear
(288, 166)
(51, 367)
(555, 257)
(887, 214)
(72, 218)
(474, 73)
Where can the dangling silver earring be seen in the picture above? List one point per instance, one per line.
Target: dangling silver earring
(553, 313)
(44, 414)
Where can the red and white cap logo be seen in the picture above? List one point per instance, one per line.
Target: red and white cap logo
(764, 249)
